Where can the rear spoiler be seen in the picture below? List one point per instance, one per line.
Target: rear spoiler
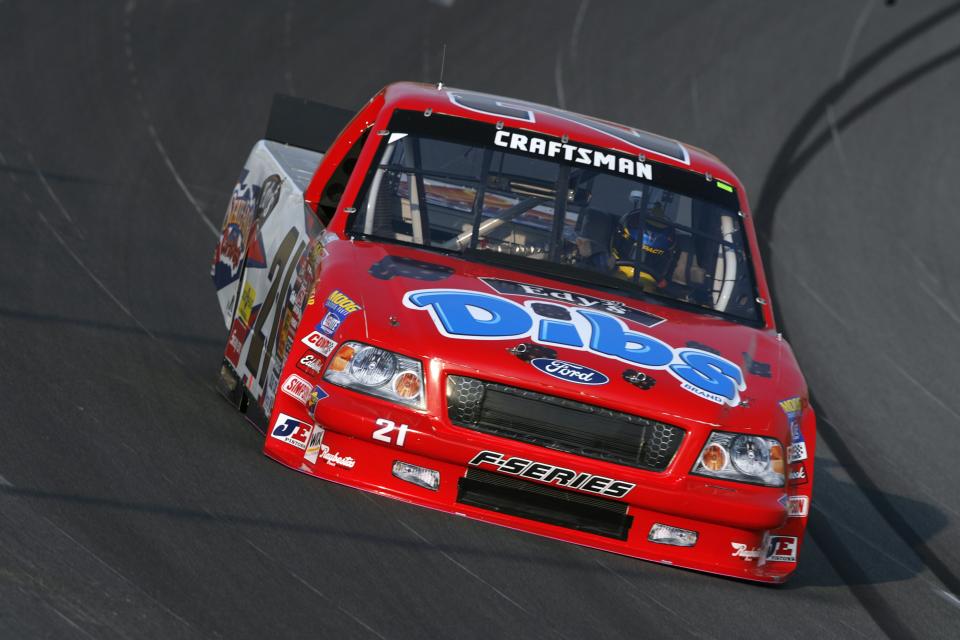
(305, 124)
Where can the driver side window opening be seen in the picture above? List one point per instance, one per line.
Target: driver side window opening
(330, 196)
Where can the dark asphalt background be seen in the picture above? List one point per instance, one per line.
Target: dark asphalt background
(134, 502)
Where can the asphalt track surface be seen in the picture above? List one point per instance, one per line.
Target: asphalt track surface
(134, 502)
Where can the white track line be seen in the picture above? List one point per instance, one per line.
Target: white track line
(134, 78)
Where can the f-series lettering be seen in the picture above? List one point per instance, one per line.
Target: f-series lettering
(474, 315)
(553, 475)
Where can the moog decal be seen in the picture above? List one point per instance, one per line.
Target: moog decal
(473, 315)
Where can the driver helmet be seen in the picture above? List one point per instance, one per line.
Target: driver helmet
(657, 241)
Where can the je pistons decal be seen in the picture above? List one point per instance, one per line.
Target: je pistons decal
(472, 315)
(578, 299)
(569, 371)
(553, 475)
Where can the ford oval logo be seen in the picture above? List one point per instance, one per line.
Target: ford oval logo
(569, 371)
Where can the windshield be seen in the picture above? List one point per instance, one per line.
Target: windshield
(560, 208)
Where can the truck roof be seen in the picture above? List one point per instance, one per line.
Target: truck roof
(521, 114)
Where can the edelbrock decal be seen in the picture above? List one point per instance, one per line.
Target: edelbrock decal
(569, 371)
(553, 475)
(473, 315)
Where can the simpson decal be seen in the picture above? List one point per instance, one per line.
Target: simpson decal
(473, 315)
(296, 387)
(553, 475)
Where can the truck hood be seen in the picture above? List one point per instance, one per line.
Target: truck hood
(563, 339)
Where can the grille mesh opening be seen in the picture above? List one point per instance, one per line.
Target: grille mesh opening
(561, 424)
(505, 494)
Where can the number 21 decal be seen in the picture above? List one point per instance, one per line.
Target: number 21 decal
(386, 432)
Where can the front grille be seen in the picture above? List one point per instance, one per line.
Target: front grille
(564, 425)
(505, 494)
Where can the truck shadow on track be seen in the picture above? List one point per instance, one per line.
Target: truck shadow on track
(849, 537)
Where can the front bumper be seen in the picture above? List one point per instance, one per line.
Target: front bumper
(743, 531)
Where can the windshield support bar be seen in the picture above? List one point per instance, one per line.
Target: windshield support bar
(560, 215)
(481, 196)
(421, 192)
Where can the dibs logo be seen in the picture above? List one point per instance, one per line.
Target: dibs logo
(569, 371)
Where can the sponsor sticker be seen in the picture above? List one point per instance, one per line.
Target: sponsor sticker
(797, 450)
(741, 550)
(573, 153)
(313, 446)
(296, 387)
(797, 474)
(473, 315)
(335, 459)
(339, 305)
(798, 506)
(238, 334)
(570, 372)
(319, 343)
(310, 363)
(316, 395)
(330, 323)
(292, 431)
(245, 306)
(782, 549)
(553, 475)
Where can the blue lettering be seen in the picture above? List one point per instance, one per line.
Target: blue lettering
(608, 336)
(453, 309)
(559, 332)
(710, 373)
(285, 429)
